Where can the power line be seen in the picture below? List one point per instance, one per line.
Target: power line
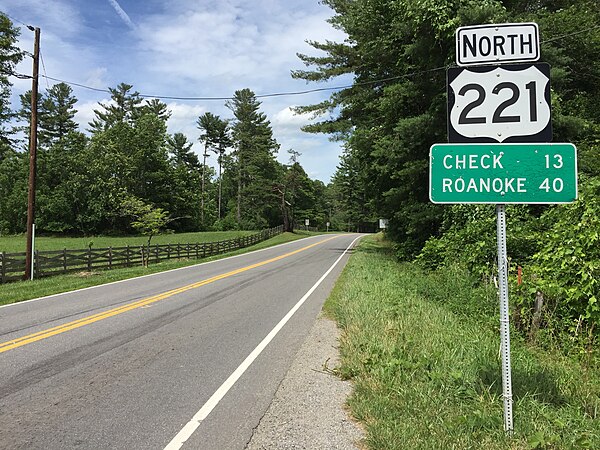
(269, 95)
(275, 94)
(44, 69)
(15, 74)
(17, 20)
(72, 83)
(170, 97)
(572, 34)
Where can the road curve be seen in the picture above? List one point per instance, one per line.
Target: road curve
(188, 358)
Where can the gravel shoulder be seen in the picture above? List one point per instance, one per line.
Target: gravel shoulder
(308, 411)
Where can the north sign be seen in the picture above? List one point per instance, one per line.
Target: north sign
(499, 103)
(497, 44)
(503, 173)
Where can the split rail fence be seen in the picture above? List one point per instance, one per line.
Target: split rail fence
(55, 262)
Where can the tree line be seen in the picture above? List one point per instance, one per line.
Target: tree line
(398, 52)
(126, 165)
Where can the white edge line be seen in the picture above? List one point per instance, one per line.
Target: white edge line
(186, 432)
(156, 273)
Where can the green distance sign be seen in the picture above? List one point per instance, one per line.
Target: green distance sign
(503, 173)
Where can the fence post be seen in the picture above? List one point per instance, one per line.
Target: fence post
(110, 258)
(3, 269)
(65, 260)
(196, 249)
(37, 264)
(157, 256)
(89, 259)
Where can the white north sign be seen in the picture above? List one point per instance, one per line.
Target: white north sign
(497, 44)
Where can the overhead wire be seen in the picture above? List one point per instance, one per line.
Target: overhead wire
(16, 20)
(571, 34)
(268, 95)
(20, 76)
(44, 69)
(275, 94)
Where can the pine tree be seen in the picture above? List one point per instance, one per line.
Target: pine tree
(10, 56)
(257, 170)
(215, 136)
(56, 110)
(126, 106)
(59, 111)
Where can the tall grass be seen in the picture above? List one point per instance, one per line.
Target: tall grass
(423, 352)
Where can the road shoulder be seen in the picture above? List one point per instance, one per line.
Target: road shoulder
(308, 411)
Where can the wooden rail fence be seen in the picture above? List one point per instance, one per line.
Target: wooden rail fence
(55, 262)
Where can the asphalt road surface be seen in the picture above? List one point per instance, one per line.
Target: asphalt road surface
(189, 358)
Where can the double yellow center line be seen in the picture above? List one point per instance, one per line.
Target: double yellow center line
(44, 334)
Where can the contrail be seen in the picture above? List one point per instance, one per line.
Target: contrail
(122, 14)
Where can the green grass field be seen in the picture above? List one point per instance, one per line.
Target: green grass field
(15, 244)
(25, 290)
(423, 352)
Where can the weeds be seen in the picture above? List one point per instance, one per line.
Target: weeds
(422, 351)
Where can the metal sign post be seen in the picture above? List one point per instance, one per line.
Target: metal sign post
(504, 318)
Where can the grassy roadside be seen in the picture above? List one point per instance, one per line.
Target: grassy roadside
(19, 291)
(422, 351)
(16, 243)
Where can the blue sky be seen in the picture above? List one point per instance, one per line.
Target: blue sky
(186, 48)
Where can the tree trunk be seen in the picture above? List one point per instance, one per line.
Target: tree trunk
(536, 320)
(285, 213)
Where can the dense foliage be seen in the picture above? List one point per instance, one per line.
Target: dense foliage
(398, 52)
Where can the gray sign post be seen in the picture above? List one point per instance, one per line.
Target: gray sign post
(504, 321)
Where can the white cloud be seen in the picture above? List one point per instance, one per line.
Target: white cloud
(286, 119)
(183, 120)
(240, 43)
(85, 112)
(96, 78)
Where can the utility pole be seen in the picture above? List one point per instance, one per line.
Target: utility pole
(204, 156)
(32, 154)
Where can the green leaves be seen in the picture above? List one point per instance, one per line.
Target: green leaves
(568, 263)
(147, 220)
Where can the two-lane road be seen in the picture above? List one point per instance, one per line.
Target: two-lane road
(189, 358)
